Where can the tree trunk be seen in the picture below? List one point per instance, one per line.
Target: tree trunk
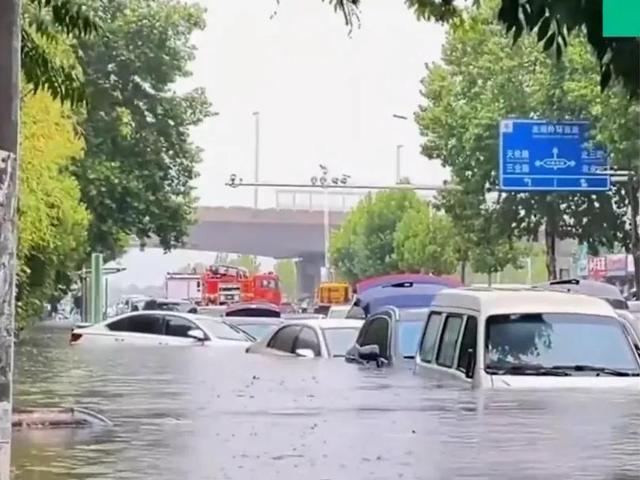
(550, 247)
(463, 272)
(9, 122)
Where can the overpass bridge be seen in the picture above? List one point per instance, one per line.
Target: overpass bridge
(294, 228)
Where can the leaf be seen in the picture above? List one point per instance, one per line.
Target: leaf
(549, 42)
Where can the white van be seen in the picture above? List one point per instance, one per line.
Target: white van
(523, 338)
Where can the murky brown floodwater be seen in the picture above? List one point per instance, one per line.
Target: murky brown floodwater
(189, 413)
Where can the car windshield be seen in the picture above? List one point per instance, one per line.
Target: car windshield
(552, 340)
(258, 330)
(340, 339)
(222, 330)
(409, 337)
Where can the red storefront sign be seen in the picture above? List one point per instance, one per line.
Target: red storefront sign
(597, 267)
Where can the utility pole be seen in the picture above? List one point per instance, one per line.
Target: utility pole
(398, 162)
(9, 134)
(256, 165)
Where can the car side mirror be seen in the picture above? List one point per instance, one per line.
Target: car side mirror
(369, 353)
(196, 334)
(470, 365)
(305, 352)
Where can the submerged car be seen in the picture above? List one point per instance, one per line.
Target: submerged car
(253, 309)
(527, 338)
(163, 328)
(257, 327)
(388, 337)
(325, 338)
(403, 295)
(170, 305)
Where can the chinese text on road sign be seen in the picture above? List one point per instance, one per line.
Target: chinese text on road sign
(550, 156)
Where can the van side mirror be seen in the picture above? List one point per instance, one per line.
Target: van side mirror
(369, 353)
(470, 365)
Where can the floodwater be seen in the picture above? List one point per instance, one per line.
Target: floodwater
(191, 413)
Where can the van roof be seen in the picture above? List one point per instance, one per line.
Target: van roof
(520, 300)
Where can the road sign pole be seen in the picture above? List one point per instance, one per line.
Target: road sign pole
(96, 302)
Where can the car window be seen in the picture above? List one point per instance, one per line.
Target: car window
(409, 338)
(377, 334)
(307, 338)
(178, 326)
(448, 340)
(339, 339)
(258, 330)
(428, 346)
(119, 325)
(222, 330)
(558, 339)
(149, 324)
(468, 342)
(284, 338)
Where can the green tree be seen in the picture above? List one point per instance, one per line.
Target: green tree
(250, 262)
(425, 242)
(365, 244)
(481, 82)
(286, 270)
(137, 174)
(49, 50)
(52, 241)
(553, 22)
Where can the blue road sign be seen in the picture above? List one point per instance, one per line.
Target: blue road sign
(540, 155)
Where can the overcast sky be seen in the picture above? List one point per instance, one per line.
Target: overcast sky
(323, 97)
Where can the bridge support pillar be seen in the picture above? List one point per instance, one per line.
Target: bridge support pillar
(308, 270)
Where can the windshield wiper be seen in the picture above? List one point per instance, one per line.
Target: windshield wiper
(527, 370)
(593, 368)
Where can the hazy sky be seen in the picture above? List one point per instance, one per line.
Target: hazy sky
(323, 97)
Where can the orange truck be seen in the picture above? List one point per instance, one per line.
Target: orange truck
(226, 284)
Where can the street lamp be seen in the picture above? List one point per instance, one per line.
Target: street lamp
(398, 148)
(324, 181)
(256, 164)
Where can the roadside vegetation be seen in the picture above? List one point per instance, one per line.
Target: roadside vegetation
(481, 79)
(106, 154)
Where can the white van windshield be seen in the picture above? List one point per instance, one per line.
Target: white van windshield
(557, 340)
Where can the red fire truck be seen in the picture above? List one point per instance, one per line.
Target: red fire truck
(226, 284)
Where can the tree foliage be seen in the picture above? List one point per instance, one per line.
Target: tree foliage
(250, 262)
(393, 231)
(424, 242)
(52, 241)
(49, 50)
(552, 21)
(137, 174)
(482, 81)
(286, 271)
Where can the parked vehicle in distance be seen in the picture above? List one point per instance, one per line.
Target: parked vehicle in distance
(338, 311)
(185, 286)
(257, 327)
(253, 309)
(327, 338)
(170, 305)
(215, 311)
(592, 288)
(399, 295)
(333, 293)
(288, 307)
(162, 328)
(388, 337)
(527, 338)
